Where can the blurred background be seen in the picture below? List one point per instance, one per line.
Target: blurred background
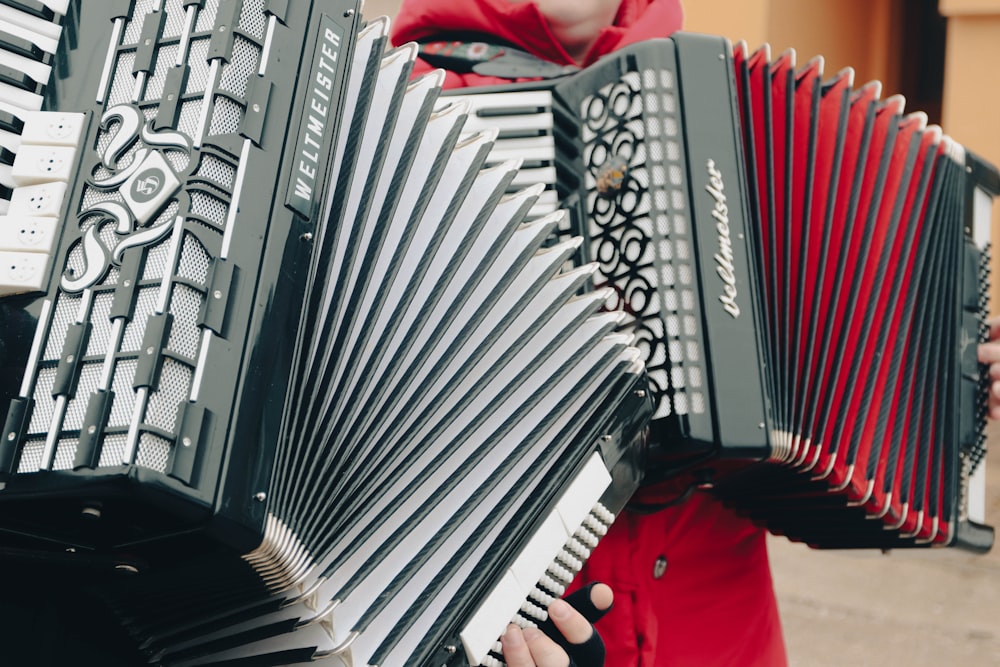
(905, 608)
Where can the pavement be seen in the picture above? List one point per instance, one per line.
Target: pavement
(912, 608)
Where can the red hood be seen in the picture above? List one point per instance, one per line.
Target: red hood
(521, 25)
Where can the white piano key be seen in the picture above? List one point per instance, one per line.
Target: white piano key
(4, 206)
(52, 128)
(38, 200)
(27, 234)
(10, 140)
(43, 164)
(536, 148)
(526, 177)
(21, 272)
(5, 176)
(21, 100)
(58, 6)
(36, 70)
(481, 632)
(43, 34)
(977, 494)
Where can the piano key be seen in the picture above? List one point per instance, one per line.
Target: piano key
(58, 6)
(18, 79)
(52, 128)
(20, 99)
(10, 122)
(489, 621)
(6, 156)
(30, 7)
(43, 164)
(20, 46)
(10, 140)
(27, 234)
(36, 70)
(43, 34)
(21, 272)
(41, 200)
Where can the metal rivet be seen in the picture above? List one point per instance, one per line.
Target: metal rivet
(451, 649)
(128, 283)
(641, 393)
(148, 41)
(93, 512)
(260, 496)
(186, 442)
(607, 438)
(659, 567)
(150, 350)
(69, 359)
(760, 425)
(307, 236)
(256, 108)
(11, 437)
(217, 294)
(91, 430)
(349, 13)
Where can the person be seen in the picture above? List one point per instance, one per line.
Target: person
(692, 582)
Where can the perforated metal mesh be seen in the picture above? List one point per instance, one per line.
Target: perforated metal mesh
(76, 409)
(243, 65)
(175, 388)
(31, 455)
(221, 173)
(41, 416)
(198, 61)
(226, 116)
(176, 19)
(252, 19)
(157, 261)
(208, 207)
(153, 452)
(194, 262)
(133, 29)
(145, 305)
(185, 335)
(113, 450)
(123, 83)
(100, 332)
(165, 60)
(645, 257)
(66, 308)
(121, 408)
(189, 117)
(206, 17)
(65, 454)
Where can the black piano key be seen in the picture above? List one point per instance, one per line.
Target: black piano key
(6, 156)
(32, 7)
(20, 46)
(10, 122)
(5, 192)
(18, 79)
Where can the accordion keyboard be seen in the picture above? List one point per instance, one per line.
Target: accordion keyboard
(37, 149)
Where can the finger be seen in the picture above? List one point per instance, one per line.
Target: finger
(515, 649)
(995, 371)
(994, 324)
(571, 624)
(544, 651)
(989, 353)
(593, 601)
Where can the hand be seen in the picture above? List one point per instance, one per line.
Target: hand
(583, 646)
(989, 353)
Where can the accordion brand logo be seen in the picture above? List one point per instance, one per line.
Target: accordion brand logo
(724, 258)
(135, 182)
(320, 106)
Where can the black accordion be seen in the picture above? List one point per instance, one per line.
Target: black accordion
(287, 374)
(297, 369)
(806, 269)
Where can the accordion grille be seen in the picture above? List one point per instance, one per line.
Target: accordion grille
(641, 237)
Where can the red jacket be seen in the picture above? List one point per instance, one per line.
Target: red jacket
(713, 604)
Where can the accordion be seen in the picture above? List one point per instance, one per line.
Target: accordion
(287, 373)
(806, 269)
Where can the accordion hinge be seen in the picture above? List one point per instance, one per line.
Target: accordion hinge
(281, 560)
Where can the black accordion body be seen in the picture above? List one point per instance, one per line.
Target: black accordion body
(298, 367)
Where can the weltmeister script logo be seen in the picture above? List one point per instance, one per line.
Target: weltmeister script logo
(724, 265)
(136, 177)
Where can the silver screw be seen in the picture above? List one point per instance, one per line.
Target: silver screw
(260, 496)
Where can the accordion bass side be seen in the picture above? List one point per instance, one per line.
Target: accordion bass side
(805, 268)
(296, 360)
